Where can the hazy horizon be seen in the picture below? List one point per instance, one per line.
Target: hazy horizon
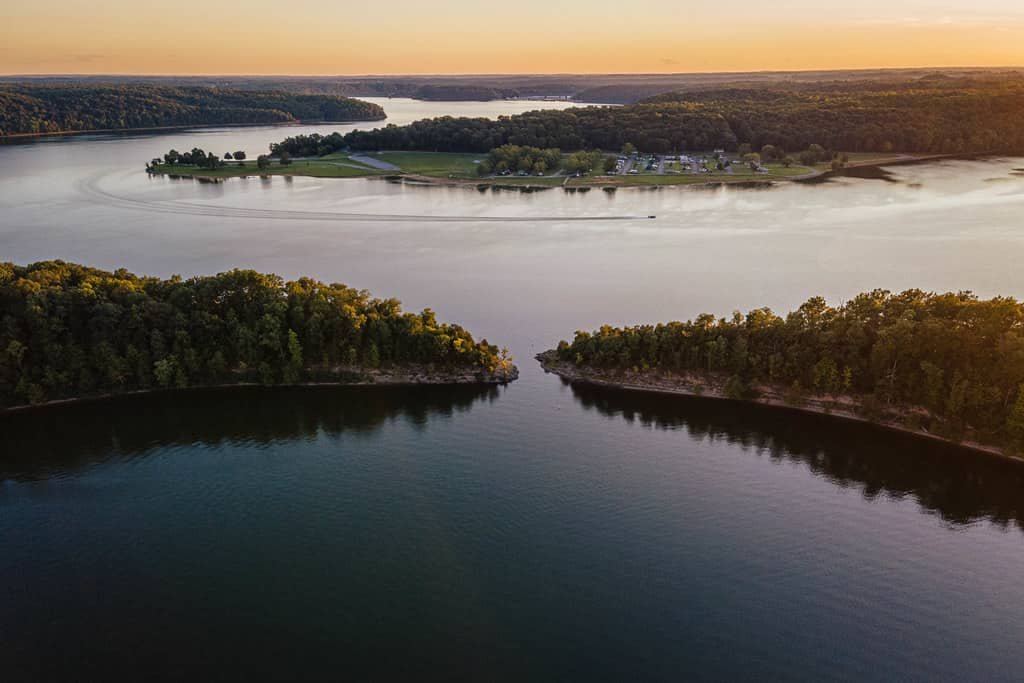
(314, 37)
(506, 74)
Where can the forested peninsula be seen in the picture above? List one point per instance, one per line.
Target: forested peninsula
(949, 365)
(68, 331)
(29, 109)
(935, 115)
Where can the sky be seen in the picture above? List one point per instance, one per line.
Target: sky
(328, 37)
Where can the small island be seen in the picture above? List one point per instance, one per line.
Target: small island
(529, 168)
(70, 332)
(946, 366)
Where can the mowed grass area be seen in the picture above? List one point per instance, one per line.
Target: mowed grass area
(433, 164)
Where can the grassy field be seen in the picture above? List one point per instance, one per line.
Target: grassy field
(782, 171)
(433, 164)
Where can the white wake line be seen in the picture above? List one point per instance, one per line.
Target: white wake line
(194, 209)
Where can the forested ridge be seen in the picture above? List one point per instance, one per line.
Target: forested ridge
(58, 108)
(952, 363)
(931, 115)
(68, 330)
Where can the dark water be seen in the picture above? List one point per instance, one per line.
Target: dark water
(533, 532)
(593, 534)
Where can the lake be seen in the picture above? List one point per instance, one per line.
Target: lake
(534, 531)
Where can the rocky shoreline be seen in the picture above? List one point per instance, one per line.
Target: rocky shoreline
(394, 377)
(701, 386)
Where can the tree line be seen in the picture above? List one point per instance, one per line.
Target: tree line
(953, 363)
(196, 157)
(67, 330)
(935, 115)
(34, 109)
(979, 115)
(649, 127)
(202, 159)
(512, 158)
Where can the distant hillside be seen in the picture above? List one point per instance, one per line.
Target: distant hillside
(56, 108)
(591, 88)
(963, 115)
(935, 113)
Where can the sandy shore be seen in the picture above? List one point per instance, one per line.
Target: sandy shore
(700, 386)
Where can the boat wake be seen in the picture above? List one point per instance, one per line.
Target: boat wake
(91, 188)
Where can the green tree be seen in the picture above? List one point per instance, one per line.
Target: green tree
(1015, 420)
(166, 371)
(294, 367)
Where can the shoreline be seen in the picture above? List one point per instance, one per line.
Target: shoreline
(157, 129)
(589, 183)
(605, 183)
(405, 377)
(702, 387)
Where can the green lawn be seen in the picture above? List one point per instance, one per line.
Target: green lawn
(433, 164)
(343, 158)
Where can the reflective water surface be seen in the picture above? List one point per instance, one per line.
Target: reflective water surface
(537, 531)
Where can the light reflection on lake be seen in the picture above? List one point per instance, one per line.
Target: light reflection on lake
(534, 532)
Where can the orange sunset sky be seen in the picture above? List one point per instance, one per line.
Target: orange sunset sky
(527, 36)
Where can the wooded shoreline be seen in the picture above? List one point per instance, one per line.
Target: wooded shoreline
(697, 386)
(406, 376)
(10, 137)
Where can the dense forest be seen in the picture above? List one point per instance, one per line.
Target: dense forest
(67, 330)
(652, 128)
(952, 362)
(57, 108)
(935, 115)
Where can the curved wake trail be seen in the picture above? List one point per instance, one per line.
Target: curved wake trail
(91, 188)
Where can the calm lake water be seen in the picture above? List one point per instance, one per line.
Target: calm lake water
(537, 531)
